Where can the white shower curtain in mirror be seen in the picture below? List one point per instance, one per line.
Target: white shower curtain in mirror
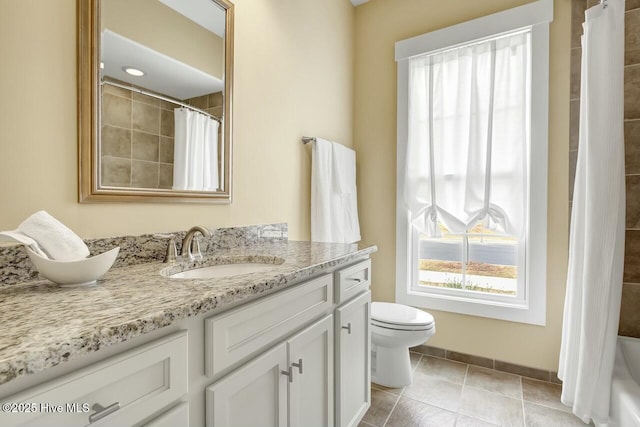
(596, 249)
(468, 136)
(195, 151)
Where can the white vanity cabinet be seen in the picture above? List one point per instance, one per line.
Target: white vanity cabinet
(239, 334)
(272, 373)
(311, 385)
(253, 395)
(124, 390)
(291, 384)
(176, 416)
(353, 360)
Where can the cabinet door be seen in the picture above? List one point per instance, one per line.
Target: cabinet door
(176, 416)
(311, 389)
(253, 395)
(353, 360)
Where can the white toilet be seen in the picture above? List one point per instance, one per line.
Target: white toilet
(395, 328)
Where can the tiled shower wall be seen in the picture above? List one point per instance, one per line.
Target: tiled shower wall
(138, 135)
(211, 103)
(630, 310)
(137, 140)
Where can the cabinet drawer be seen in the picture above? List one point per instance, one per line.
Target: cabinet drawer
(352, 280)
(131, 386)
(235, 336)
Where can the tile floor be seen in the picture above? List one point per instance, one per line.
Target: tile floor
(446, 393)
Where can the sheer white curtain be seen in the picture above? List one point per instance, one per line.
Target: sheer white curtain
(468, 136)
(596, 245)
(195, 151)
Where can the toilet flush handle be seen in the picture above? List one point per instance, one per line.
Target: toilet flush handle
(348, 328)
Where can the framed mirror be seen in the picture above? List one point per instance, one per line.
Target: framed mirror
(155, 96)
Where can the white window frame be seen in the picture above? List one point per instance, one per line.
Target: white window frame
(532, 308)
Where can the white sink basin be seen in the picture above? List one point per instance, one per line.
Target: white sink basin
(223, 270)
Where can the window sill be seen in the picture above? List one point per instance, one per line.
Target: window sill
(513, 312)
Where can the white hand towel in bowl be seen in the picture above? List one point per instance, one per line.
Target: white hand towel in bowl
(52, 237)
(17, 237)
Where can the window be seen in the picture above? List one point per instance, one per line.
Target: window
(479, 260)
(472, 166)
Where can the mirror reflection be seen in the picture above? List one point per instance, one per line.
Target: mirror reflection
(162, 65)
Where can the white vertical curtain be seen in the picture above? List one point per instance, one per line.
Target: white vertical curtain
(195, 151)
(468, 136)
(596, 248)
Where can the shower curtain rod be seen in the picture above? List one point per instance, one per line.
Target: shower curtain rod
(164, 98)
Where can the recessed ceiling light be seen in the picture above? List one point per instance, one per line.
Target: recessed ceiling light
(133, 71)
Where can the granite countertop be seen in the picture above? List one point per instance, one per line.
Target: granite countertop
(44, 324)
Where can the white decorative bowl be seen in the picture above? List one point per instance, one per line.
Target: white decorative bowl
(83, 272)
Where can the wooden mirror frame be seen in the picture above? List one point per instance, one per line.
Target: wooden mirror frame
(88, 48)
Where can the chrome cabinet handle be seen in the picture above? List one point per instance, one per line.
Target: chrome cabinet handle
(102, 412)
(354, 279)
(289, 373)
(348, 328)
(298, 365)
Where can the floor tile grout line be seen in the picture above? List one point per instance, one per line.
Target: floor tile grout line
(402, 391)
(547, 406)
(392, 409)
(383, 391)
(500, 393)
(432, 406)
(415, 368)
(493, 360)
(464, 384)
(497, 393)
(524, 416)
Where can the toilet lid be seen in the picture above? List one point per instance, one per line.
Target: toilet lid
(398, 314)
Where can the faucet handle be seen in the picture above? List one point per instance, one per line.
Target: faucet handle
(195, 248)
(172, 251)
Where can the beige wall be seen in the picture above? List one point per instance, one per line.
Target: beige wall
(292, 77)
(379, 24)
(164, 30)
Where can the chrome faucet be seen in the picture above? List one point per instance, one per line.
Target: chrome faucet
(189, 240)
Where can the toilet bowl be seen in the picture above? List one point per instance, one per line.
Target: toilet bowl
(395, 328)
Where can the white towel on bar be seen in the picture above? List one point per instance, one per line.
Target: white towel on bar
(48, 237)
(344, 169)
(334, 205)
